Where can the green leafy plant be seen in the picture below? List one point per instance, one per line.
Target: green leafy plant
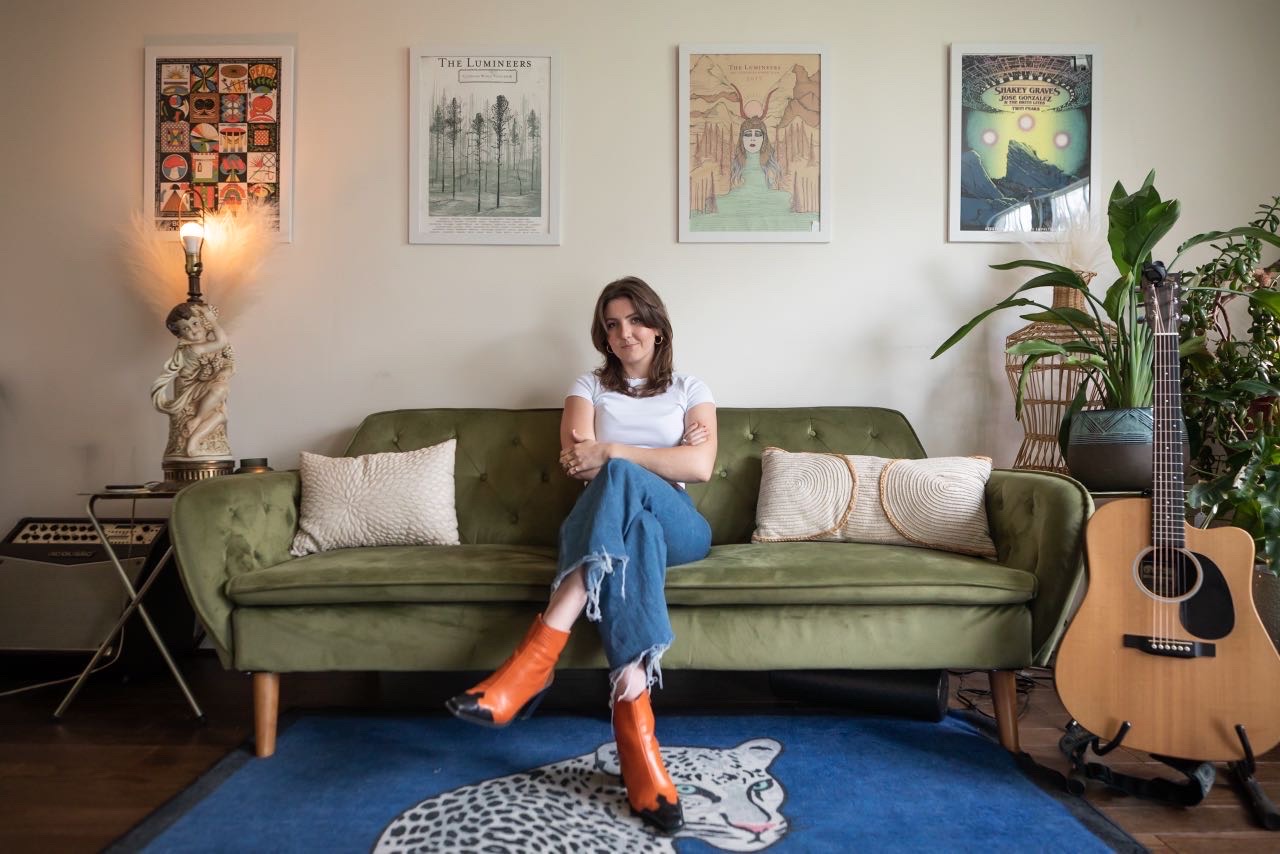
(1247, 493)
(1116, 357)
(1231, 388)
(1117, 360)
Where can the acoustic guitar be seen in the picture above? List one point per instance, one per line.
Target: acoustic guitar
(1167, 638)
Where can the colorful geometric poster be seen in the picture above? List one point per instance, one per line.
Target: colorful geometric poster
(484, 146)
(1022, 140)
(753, 150)
(219, 131)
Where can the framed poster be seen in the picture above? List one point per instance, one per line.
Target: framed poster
(1022, 146)
(484, 145)
(219, 123)
(754, 137)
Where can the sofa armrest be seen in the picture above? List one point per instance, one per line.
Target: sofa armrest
(1037, 522)
(226, 526)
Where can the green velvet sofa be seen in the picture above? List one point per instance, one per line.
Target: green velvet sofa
(763, 606)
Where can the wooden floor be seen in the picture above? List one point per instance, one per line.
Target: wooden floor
(124, 748)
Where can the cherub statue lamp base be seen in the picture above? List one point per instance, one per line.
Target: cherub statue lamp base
(199, 374)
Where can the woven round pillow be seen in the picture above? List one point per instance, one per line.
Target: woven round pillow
(913, 492)
(802, 496)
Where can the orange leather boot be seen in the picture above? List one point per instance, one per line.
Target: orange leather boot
(518, 685)
(649, 788)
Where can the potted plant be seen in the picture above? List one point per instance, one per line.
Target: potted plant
(1231, 398)
(1116, 358)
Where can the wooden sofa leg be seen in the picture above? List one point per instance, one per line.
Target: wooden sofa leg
(266, 707)
(1004, 694)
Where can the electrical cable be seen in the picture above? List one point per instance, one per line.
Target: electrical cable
(970, 697)
(115, 656)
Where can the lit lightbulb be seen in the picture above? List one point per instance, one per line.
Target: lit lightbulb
(192, 234)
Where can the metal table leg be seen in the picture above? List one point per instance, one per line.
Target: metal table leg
(135, 603)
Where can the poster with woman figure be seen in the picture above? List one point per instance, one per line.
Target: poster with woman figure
(1022, 130)
(484, 146)
(753, 165)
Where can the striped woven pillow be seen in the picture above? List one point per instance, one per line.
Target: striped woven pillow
(936, 503)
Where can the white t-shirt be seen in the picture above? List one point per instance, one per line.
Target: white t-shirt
(645, 422)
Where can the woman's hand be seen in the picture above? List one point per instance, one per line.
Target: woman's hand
(694, 434)
(586, 455)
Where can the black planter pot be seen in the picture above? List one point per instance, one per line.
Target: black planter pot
(1109, 450)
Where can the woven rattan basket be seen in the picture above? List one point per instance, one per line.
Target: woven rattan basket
(1051, 386)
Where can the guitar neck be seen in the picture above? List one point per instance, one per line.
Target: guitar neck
(1168, 496)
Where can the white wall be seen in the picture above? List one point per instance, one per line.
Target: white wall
(352, 319)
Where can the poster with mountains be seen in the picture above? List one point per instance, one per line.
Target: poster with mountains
(1022, 131)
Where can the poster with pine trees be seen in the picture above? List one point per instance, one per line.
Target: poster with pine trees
(483, 153)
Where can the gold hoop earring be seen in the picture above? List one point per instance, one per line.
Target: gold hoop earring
(658, 340)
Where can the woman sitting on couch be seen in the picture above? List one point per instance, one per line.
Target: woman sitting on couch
(635, 430)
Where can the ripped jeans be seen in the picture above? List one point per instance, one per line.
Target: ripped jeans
(626, 529)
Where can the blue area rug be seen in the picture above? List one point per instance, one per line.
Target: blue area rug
(748, 783)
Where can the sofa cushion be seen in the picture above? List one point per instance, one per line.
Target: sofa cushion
(937, 503)
(735, 574)
(402, 574)
(385, 499)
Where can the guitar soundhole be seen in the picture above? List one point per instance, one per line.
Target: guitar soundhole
(1168, 573)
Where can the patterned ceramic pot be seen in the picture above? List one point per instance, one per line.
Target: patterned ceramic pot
(1109, 450)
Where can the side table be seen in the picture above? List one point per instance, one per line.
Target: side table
(135, 596)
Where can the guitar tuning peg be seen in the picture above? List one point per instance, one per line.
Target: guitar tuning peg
(1184, 318)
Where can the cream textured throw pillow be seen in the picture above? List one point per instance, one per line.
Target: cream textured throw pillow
(392, 499)
(937, 503)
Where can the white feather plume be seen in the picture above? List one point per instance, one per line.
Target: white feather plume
(1079, 242)
(235, 246)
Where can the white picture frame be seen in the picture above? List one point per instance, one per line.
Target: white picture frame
(225, 134)
(514, 181)
(1033, 102)
(776, 98)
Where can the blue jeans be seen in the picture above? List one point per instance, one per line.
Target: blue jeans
(626, 529)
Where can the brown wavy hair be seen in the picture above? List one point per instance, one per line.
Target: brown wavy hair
(653, 314)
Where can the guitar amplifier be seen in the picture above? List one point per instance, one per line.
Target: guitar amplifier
(59, 591)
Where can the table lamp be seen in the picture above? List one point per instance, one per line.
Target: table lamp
(193, 387)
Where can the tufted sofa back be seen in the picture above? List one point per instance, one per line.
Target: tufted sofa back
(510, 490)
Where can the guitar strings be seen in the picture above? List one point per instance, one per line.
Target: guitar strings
(1167, 453)
(1165, 521)
(1163, 554)
(1161, 540)
(1156, 555)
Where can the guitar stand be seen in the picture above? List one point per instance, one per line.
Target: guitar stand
(1114, 743)
(1076, 741)
(1242, 771)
